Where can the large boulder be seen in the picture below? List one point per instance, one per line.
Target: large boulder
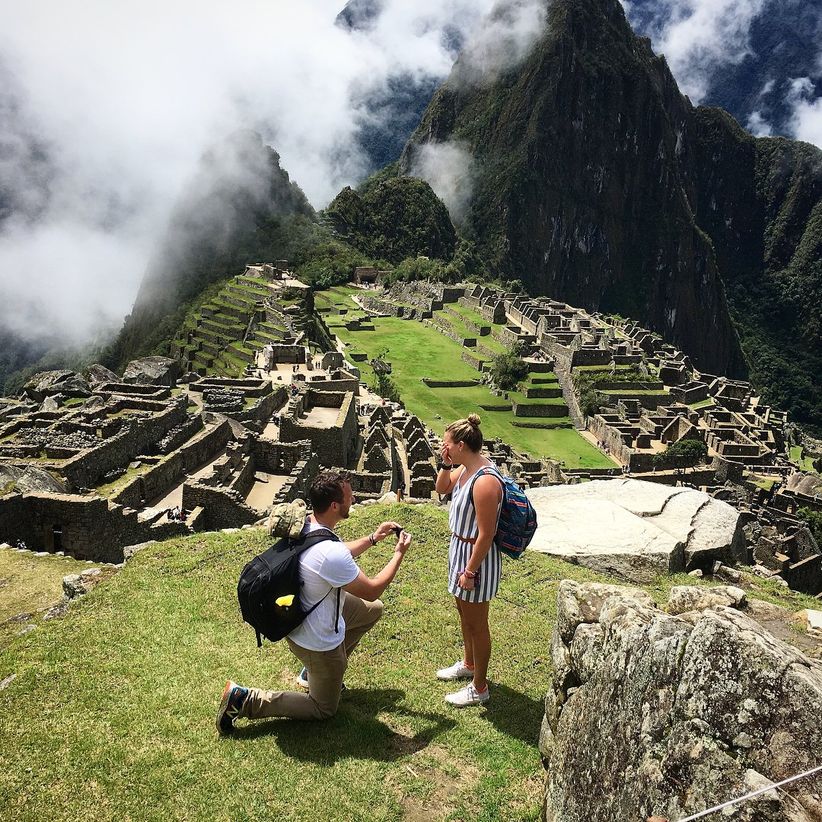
(30, 480)
(48, 383)
(97, 374)
(635, 529)
(152, 371)
(654, 714)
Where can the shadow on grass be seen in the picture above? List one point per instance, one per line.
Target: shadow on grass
(515, 714)
(354, 732)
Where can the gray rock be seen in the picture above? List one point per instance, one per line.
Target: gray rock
(684, 598)
(50, 404)
(97, 374)
(77, 585)
(46, 383)
(152, 371)
(634, 529)
(31, 480)
(658, 715)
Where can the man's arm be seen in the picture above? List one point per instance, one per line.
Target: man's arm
(371, 588)
(359, 546)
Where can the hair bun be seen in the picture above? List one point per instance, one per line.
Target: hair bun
(474, 420)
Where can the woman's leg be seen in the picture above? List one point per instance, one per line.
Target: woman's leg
(468, 654)
(474, 620)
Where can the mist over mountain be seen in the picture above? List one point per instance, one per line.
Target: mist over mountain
(594, 180)
(239, 207)
(760, 60)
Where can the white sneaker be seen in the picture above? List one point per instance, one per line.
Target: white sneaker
(468, 696)
(459, 670)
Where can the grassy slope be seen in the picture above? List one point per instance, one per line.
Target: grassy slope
(115, 702)
(427, 353)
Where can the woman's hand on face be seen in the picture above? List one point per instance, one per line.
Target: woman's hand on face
(444, 454)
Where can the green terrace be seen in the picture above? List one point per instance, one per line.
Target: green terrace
(416, 350)
(216, 332)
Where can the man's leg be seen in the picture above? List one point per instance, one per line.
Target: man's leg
(324, 684)
(360, 616)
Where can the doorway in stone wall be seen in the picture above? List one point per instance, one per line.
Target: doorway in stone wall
(57, 537)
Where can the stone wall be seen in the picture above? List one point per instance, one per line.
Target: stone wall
(85, 527)
(278, 457)
(539, 410)
(222, 508)
(141, 435)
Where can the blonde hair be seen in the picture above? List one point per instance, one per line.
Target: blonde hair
(467, 431)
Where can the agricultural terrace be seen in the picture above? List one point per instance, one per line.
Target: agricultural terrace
(416, 351)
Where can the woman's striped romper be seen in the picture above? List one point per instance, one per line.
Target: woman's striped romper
(462, 520)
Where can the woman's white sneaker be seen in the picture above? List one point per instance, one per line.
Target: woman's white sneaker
(459, 670)
(469, 695)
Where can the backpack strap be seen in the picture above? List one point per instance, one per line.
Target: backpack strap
(488, 470)
(309, 541)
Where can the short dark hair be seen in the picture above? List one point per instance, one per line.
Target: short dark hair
(327, 488)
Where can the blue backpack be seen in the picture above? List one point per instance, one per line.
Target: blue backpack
(517, 517)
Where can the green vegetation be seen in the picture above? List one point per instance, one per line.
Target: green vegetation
(417, 351)
(115, 702)
(803, 463)
(814, 521)
(397, 218)
(28, 586)
(508, 370)
(683, 454)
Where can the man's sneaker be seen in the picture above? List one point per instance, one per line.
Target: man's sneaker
(302, 680)
(459, 670)
(468, 696)
(231, 704)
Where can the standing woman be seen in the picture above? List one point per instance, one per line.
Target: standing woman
(474, 562)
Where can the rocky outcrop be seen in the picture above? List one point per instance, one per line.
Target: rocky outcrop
(30, 480)
(654, 714)
(635, 529)
(97, 374)
(77, 585)
(152, 371)
(50, 383)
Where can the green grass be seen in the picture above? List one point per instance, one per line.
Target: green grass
(702, 404)
(798, 458)
(115, 702)
(28, 586)
(418, 351)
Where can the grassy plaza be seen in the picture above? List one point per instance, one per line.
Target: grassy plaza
(416, 350)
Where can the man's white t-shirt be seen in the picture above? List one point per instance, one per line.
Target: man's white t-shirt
(324, 567)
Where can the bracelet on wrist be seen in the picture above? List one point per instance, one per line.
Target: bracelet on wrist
(443, 467)
(470, 574)
(372, 539)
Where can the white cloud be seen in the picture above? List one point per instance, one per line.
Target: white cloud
(448, 169)
(126, 96)
(697, 36)
(758, 125)
(806, 117)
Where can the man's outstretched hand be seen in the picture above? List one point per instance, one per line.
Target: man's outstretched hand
(386, 529)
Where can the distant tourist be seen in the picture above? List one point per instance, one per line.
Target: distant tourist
(474, 562)
(325, 640)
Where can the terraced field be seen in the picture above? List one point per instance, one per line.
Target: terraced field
(222, 339)
(417, 351)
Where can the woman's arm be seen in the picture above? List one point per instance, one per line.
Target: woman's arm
(487, 494)
(447, 478)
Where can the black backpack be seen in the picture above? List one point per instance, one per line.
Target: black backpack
(270, 587)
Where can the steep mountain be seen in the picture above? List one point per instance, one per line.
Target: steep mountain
(758, 89)
(241, 207)
(597, 182)
(397, 218)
